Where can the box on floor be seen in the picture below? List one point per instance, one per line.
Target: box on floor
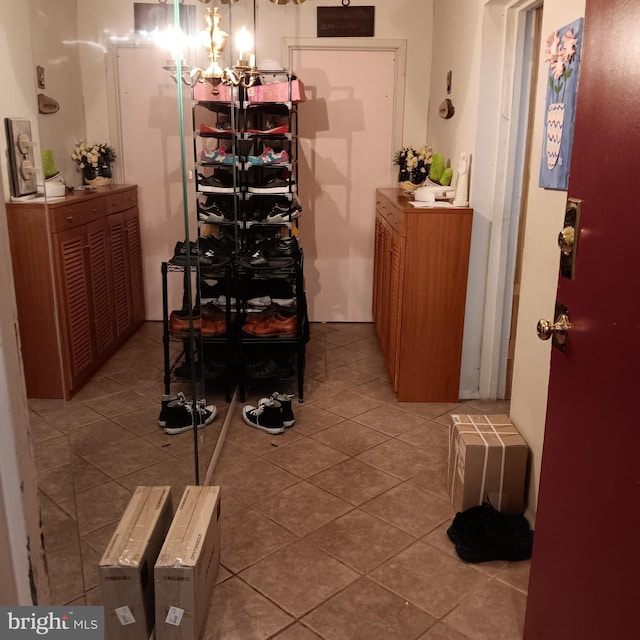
(126, 567)
(487, 463)
(186, 568)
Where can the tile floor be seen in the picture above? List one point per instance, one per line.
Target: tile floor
(334, 529)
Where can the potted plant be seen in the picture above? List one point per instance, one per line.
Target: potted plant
(94, 160)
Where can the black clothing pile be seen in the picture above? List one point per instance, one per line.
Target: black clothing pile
(481, 534)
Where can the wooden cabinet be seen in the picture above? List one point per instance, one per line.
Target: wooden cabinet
(77, 266)
(421, 262)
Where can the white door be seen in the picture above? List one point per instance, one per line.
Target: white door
(346, 133)
(151, 158)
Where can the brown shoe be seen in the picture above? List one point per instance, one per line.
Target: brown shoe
(179, 321)
(275, 326)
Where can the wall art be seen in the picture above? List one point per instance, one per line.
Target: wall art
(562, 57)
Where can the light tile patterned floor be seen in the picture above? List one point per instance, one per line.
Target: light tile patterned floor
(334, 530)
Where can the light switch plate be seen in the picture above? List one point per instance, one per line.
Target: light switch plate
(21, 159)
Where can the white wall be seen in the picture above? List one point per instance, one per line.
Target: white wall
(539, 272)
(458, 46)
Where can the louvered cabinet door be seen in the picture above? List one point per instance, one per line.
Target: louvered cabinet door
(395, 299)
(120, 273)
(134, 251)
(101, 292)
(73, 300)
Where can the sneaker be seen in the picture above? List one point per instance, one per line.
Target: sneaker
(221, 182)
(220, 127)
(269, 156)
(274, 185)
(267, 417)
(212, 252)
(166, 400)
(214, 210)
(285, 402)
(179, 416)
(271, 129)
(217, 156)
(281, 213)
(189, 254)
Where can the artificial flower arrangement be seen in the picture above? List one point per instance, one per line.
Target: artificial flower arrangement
(560, 52)
(414, 165)
(94, 159)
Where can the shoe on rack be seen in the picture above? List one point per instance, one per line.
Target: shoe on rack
(267, 417)
(285, 402)
(190, 254)
(179, 321)
(217, 156)
(267, 368)
(274, 185)
(220, 182)
(271, 129)
(273, 327)
(180, 417)
(219, 127)
(214, 320)
(270, 156)
(214, 255)
(283, 212)
(214, 210)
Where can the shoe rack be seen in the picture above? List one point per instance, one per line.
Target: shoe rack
(248, 324)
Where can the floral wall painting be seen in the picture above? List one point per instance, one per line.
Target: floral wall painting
(562, 57)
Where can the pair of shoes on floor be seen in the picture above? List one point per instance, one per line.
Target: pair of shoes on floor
(177, 414)
(482, 533)
(273, 414)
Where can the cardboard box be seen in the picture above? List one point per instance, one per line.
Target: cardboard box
(277, 92)
(126, 567)
(186, 568)
(487, 462)
(204, 91)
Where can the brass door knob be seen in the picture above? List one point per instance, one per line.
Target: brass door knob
(566, 240)
(560, 328)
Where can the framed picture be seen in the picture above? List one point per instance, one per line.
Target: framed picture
(563, 62)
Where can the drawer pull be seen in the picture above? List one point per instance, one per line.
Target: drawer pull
(69, 218)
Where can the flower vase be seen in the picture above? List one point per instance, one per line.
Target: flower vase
(555, 122)
(410, 179)
(97, 177)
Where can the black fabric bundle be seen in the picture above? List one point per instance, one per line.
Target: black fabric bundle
(481, 534)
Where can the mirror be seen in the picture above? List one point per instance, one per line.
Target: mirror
(100, 82)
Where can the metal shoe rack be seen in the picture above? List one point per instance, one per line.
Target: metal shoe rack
(238, 188)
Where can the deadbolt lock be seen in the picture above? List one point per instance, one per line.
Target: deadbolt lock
(557, 330)
(568, 238)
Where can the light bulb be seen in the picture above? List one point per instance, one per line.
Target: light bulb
(244, 43)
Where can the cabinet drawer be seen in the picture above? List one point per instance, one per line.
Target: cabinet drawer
(73, 215)
(120, 201)
(395, 218)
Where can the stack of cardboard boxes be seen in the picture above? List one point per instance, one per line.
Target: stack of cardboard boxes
(158, 572)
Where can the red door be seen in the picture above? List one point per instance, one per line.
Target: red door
(585, 572)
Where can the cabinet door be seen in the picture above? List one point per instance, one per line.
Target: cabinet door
(396, 282)
(119, 269)
(134, 252)
(74, 302)
(101, 291)
(378, 259)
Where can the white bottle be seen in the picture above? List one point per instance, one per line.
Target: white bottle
(461, 198)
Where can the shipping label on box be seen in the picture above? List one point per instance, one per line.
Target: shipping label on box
(126, 567)
(487, 463)
(186, 568)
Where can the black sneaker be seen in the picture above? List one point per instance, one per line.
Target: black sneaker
(214, 210)
(267, 417)
(285, 402)
(211, 254)
(274, 185)
(220, 182)
(283, 212)
(179, 416)
(166, 400)
(189, 253)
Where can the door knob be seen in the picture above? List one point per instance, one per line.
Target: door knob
(566, 240)
(558, 329)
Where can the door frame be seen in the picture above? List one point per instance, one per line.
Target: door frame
(502, 99)
(399, 47)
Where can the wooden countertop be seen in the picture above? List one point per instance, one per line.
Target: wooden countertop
(400, 198)
(73, 197)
